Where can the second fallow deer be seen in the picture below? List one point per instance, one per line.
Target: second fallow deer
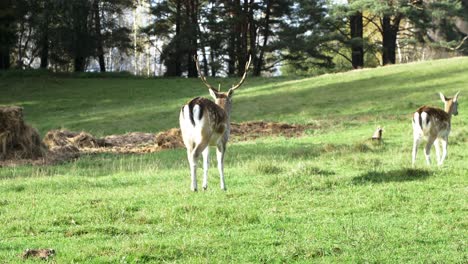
(434, 124)
(205, 123)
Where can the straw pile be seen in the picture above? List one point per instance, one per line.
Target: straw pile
(135, 142)
(17, 139)
(62, 138)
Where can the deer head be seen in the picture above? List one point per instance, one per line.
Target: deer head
(450, 104)
(223, 99)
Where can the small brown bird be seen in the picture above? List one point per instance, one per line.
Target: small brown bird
(377, 134)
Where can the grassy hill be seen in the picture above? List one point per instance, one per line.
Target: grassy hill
(330, 196)
(118, 105)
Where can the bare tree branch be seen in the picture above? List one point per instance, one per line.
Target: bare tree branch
(274, 64)
(341, 54)
(370, 20)
(459, 45)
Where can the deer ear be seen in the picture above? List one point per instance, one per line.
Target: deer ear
(442, 97)
(213, 93)
(455, 98)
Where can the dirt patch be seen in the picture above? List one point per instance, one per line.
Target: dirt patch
(64, 145)
(138, 142)
(135, 142)
(255, 129)
(134, 138)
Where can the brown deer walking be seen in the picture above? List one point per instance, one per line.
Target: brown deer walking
(205, 123)
(434, 123)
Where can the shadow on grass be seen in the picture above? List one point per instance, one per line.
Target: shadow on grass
(400, 175)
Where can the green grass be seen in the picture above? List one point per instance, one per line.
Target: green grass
(330, 196)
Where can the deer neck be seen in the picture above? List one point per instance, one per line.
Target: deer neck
(448, 108)
(225, 104)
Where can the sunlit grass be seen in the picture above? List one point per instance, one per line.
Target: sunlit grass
(332, 195)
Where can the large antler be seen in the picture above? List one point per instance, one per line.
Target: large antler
(202, 77)
(247, 65)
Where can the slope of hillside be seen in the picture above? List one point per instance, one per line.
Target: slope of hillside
(118, 105)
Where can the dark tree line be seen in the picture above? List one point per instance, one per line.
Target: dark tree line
(224, 32)
(311, 31)
(64, 35)
(421, 19)
(61, 33)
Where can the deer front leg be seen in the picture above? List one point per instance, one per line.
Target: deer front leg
(427, 149)
(206, 163)
(444, 150)
(220, 157)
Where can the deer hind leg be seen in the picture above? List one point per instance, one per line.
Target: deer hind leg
(220, 157)
(193, 169)
(206, 164)
(437, 150)
(427, 149)
(415, 150)
(193, 155)
(416, 141)
(444, 141)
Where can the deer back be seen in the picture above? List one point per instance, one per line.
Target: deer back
(204, 113)
(433, 121)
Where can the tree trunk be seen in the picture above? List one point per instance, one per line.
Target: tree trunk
(5, 57)
(44, 42)
(81, 46)
(192, 20)
(242, 21)
(19, 48)
(99, 44)
(212, 62)
(202, 46)
(231, 50)
(266, 34)
(357, 49)
(177, 59)
(7, 35)
(389, 36)
(233, 44)
(45, 50)
(205, 62)
(253, 33)
(79, 63)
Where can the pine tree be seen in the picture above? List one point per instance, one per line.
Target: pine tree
(303, 35)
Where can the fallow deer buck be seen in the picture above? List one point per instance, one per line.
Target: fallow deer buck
(205, 123)
(434, 123)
